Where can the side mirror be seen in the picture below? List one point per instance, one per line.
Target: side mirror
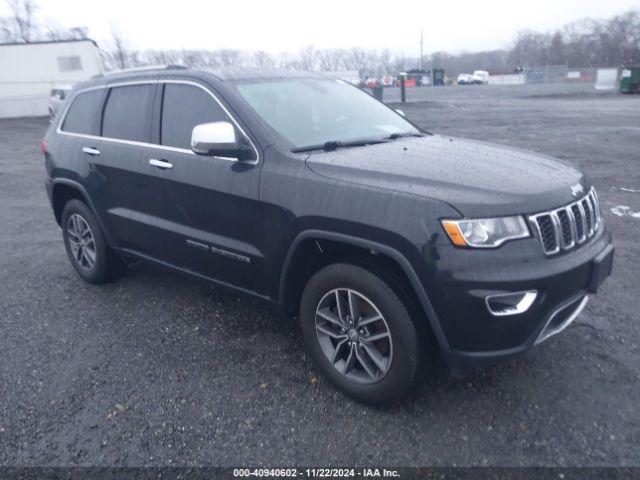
(219, 139)
(400, 112)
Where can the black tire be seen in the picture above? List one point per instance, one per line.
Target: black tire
(107, 265)
(404, 363)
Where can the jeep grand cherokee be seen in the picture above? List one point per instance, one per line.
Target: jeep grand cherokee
(387, 242)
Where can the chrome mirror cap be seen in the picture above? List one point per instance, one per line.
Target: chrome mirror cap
(213, 138)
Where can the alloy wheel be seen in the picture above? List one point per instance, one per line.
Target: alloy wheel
(81, 241)
(353, 335)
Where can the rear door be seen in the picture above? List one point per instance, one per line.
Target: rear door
(122, 185)
(210, 207)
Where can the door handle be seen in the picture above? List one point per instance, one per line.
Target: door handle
(162, 164)
(91, 151)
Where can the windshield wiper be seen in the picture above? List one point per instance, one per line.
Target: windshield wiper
(395, 136)
(335, 144)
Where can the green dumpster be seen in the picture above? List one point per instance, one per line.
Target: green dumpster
(630, 80)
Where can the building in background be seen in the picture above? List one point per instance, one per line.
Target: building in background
(30, 71)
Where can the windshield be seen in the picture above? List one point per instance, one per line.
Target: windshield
(316, 111)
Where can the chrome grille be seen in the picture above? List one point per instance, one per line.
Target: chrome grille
(565, 228)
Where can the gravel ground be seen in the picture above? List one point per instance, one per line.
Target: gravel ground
(159, 369)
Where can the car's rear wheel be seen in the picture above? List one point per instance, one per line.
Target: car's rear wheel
(361, 334)
(86, 247)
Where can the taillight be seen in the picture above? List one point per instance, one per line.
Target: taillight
(43, 146)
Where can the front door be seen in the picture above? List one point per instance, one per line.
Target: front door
(210, 207)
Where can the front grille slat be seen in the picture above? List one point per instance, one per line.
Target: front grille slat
(586, 205)
(566, 227)
(547, 233)
(578, 215)
(596, 207)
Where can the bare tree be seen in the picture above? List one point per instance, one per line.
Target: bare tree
(163, 57)
(585, 43)
(22, 16)
(7, 31)
(117, 52)
(22, 25)
(229, 57)
(308, 58)
(330, 59)
(386, 60)
(75, 33)
(262, 59)
(358, 59)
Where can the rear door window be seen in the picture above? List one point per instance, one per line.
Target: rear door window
(127, 113)
(184, 107)
(84, 113)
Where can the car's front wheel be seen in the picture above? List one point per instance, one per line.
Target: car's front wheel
(86, 247)
(361, 334)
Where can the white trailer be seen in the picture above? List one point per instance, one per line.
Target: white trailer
(606, 79)
(29, 71)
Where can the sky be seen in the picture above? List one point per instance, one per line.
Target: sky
(288, 25)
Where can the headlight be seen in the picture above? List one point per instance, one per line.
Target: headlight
(485, 232)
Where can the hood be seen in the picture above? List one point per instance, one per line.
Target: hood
(476, 178)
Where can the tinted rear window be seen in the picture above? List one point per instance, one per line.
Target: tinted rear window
(184, 107)
(126, 114)
(83, 113)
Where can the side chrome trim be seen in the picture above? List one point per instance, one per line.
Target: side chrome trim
(154, 145)
(197, 274)
(550, 332)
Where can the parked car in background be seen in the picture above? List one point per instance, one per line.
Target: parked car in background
(387, 81)
(371, 82)
(465, 79)
(388, 243)
(481, 77)
(57, 98)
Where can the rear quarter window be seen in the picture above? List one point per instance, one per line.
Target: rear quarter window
(84, 113)
(127, 113)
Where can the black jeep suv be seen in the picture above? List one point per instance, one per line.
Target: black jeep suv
(388, 242)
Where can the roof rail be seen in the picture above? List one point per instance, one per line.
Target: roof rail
(144, 69)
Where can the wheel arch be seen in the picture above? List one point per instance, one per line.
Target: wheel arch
(293, 270)
(63, 190)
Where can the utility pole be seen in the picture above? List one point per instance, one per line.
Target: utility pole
(421, 49)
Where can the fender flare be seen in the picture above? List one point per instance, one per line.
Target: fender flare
(394, 254)
(87, 199)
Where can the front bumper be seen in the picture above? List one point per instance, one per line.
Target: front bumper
(474, 336)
